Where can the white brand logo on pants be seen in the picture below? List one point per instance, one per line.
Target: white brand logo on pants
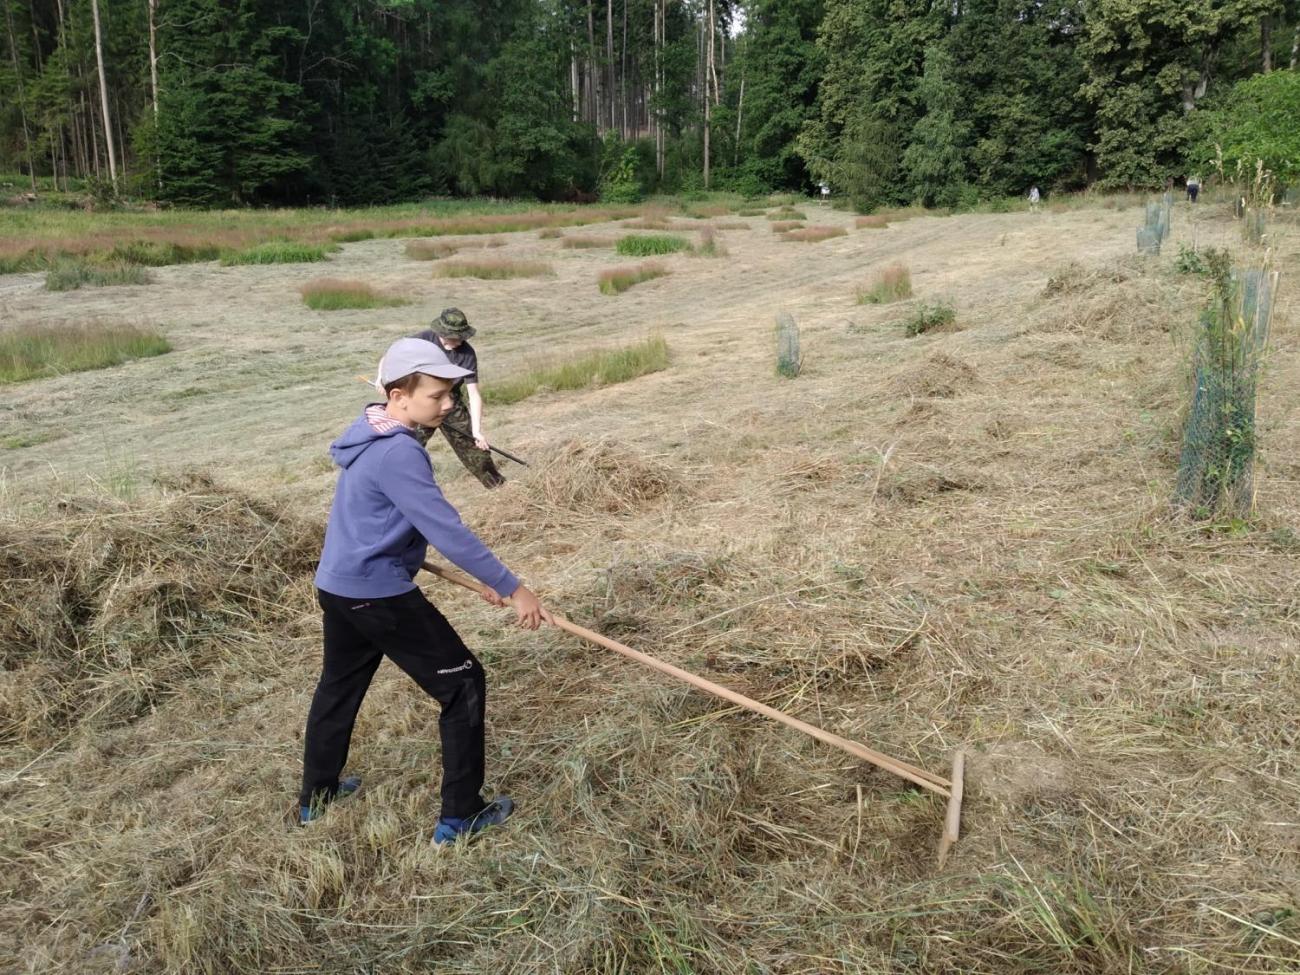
(455, 670)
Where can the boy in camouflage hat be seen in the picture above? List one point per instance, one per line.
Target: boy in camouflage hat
(463, 427)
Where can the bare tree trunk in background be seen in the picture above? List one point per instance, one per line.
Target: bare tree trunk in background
(22, 98)
(740, 114)
(1266, 43)
(657, 121)
(103, 94)
(609, 56)
(623, 88)
(710, 78)
(593, 96)
(1295, 48)
(153, 53)
(573, 80)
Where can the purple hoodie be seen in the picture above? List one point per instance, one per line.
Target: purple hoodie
(387, 511)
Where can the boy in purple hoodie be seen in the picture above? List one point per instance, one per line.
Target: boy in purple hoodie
(387, 510)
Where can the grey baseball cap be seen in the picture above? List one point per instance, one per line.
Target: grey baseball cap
(406, 356)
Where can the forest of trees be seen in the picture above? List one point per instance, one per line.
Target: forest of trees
(257, 102)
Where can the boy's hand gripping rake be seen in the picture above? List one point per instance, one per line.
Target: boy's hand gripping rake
(951, 789)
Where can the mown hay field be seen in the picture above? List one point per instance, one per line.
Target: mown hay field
(960, 539)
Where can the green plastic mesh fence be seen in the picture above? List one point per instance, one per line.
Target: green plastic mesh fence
(788, 360)
(1217, 466)
(1155, 227)
(1254, 228)
(1148, 241)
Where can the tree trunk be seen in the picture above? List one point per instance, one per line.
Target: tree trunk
(593, 95)
(622, 88)
(22, 97)
(1295, 48)
(1266, 43)
(103, 95)
(153, 53)
(709, 78)
(609, 56)
(573, 80)
(740, 114)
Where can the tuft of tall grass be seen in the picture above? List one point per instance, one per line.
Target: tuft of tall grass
(710, 245)
(71, 274)
(785, 226)
(811, 235)
(493, 269)
(279, 252)
(334, 294)
(787, 213)
(40, 351)
(586, 241)
(160, 253)
(651, 245)
(894, 283)
(602, 367)
(618, 279)
(872, 221)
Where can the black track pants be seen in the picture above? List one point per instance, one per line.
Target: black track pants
(415, 636)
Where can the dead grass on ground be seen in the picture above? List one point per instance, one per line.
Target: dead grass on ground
(815, 234)
(434, 250)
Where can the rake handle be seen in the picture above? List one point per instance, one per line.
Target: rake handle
(912, 773)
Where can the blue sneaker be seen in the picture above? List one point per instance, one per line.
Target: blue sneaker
(309, 814)
(495, 813)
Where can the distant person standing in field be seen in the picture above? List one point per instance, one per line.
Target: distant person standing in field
(463, 427)
(1035, 198)
(825, 188)
(1193, 187)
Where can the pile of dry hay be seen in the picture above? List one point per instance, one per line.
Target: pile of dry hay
(109, 608)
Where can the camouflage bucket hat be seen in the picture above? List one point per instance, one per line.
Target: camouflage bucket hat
(452, 324)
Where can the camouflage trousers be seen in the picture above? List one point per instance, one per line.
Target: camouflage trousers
(477, 462)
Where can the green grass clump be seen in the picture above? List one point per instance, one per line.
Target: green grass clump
(651, 245)
(618, 279)
(279, 252)
(493, 269)
(39, 351)
(160, 253)
(334, 294)
(70, 274)
(750, 212)
(604, 367)
(928, 318)
(787, 213)
(353, 235)
(894, 283)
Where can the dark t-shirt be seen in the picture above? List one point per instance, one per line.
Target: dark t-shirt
(463, 356)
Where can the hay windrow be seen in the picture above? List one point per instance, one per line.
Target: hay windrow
(940, 376)
(110, 609)
(600, 479)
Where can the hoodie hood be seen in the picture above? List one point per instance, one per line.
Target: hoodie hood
(373, 424)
